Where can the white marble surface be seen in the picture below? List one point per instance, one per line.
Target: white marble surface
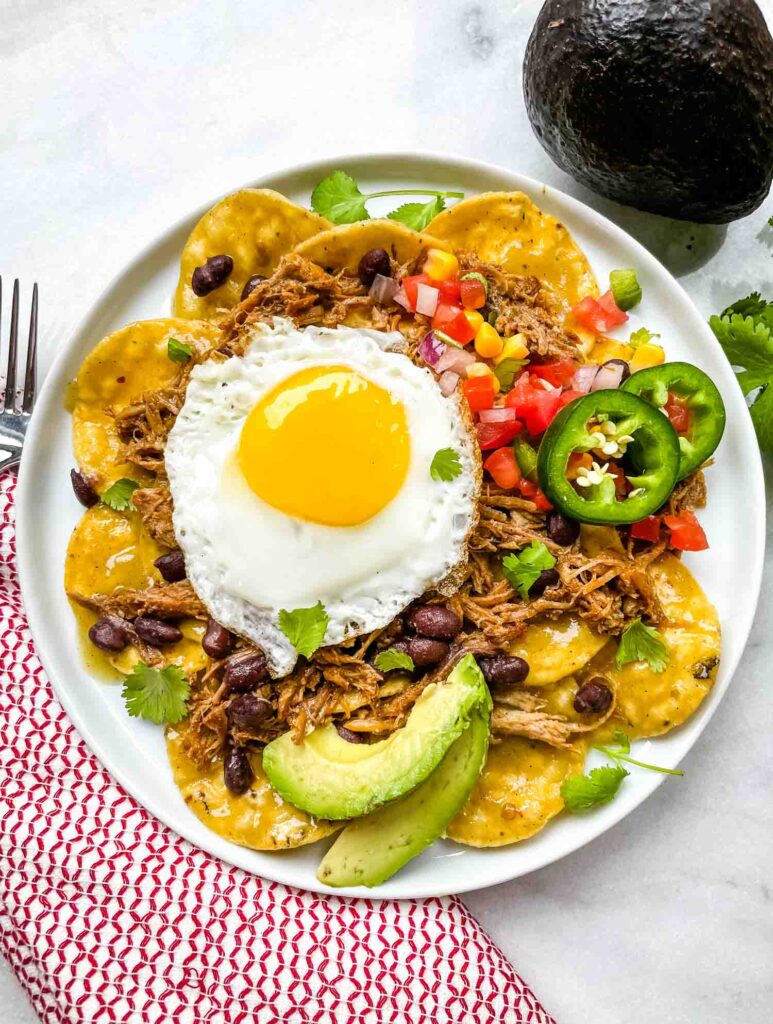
(120, 117)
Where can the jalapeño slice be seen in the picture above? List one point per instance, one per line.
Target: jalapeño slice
(650, 460)
(696, 391)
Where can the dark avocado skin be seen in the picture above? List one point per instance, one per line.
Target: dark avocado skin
(665, 105)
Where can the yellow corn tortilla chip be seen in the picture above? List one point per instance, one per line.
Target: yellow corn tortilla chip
(114, 374)
(342, 247)
(259, 819)
(507, 228)
(256, 227)
(556, 648)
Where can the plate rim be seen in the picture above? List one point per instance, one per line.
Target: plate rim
(25, 510)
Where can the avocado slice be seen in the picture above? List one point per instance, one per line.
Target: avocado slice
(331, 778)
(373, 848)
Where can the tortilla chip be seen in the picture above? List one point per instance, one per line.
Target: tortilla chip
(556, 648)
(260, 819)
(342, 247)
(507, 228)
(517, 794)
(255, 227)
(114, 374)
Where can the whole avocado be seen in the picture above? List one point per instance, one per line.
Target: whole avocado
(664, 106)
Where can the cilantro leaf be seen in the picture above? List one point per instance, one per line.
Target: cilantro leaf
(178, 351)
(523, 569)
(160, 695)
(770, 221)
(599, 786)
(305, 627)
(386, 661)
(118, 496)
(622, 748)
(752, 305)
(338, 198)
(642, 643)
(506, 372)
(641, 337)
(418, 215)
(445, 465)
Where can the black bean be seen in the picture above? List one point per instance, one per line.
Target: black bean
(593, 697)
(251, 285)
(156, 632)
(374, 262)
(237, 770)
(561, 529)
(503, 670)
(171, 566)
(248, 711)
(424, 651)
(84, 492)
(619, 362)
(435, 620)
(546, 579)
(217, 640)
(244, 671)
(109, 634)
(211, 275)
(349, 736)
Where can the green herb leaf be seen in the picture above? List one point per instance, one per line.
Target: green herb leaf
(622, 748)
(770, 221)
(506, 372)
(599, 786)
(642, 643)
(386, 661)
(118, 496)
(641, 337)
(445, 465)
(745, 332)
(523, 569)
(625, 288)
(338, 198)
(160, 695)
(178, 351)
(305, 627)
(418, 215)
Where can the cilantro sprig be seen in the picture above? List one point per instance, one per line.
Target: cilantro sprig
(582, 792)
(339, 198)
(641, 337)
(445, 465)
(160, 695)
(305, 627)
(523, 569)
(745, 332)
(178, 351)
(118, 496)
(640, 642)
(390, 659)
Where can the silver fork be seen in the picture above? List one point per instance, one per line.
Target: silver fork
(13, 424)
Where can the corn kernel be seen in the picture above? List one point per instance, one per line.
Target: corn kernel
(479, 370)
(440, 264)
(474, 319)
(497, 385)
(646, 355)
(488, 343)
(513, 348)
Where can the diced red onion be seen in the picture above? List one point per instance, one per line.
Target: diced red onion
(584, 377)
(383, 288)
(501, 414)
(456, 359)
(447, 382)
(610, 375)
(431, 348)
(402, 299)
(426, 299)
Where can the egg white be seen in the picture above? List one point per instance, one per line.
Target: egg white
(247, 560)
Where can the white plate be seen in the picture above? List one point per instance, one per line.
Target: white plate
(134, 751)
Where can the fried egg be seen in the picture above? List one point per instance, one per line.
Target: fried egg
(300, 473)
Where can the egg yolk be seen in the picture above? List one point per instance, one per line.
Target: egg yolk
(326, 445)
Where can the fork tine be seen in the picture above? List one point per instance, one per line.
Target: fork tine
(10, 377)
(30, 373)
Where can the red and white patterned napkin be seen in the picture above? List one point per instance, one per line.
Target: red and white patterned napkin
(108, 916)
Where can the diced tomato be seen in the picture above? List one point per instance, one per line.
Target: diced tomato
(599, 315)
(473, 294)
(449, 290)
(559, 372)
(479, 392)
(686, 532)
(451, 320)
(503, 468)
(569, 396)
(617, 474)
(678, 413)
(533, 404)
(411, 284)
(647, 529)
(531, 491)
(494, 435)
